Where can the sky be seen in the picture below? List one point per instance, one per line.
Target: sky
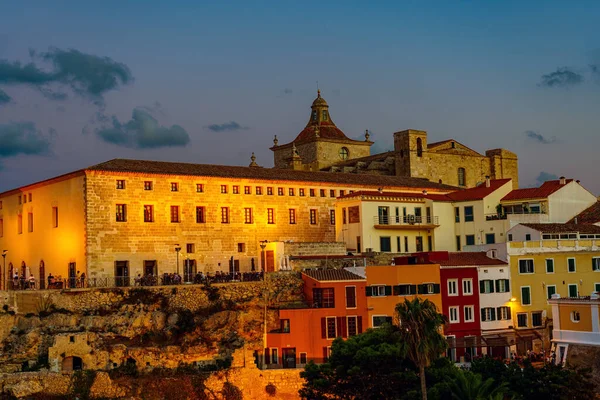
(212, 82)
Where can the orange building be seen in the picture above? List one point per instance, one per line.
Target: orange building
(337, 307)
(390, 284)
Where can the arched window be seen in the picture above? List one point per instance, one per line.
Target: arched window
(461, 177)
(314, 115)
(419, 147)
(324, 115)
(344, 153)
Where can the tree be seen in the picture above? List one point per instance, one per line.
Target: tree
(469, 386)
(420, 325)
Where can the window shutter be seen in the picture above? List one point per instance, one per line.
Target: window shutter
(481, 286)
(359, 324)
(492, 282)
(497, 284)
(369, 291)
(388, 290)
(344, 327)
(436, 288)
(507, 283)
(267, 356)
(509, 313)
(339, 328)
(483, 315)
(499, 312)
(413, 289)
(324, 328)
(325, 354)
(493, 316)
(396, 290)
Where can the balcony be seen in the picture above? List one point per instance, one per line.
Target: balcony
(405, 222)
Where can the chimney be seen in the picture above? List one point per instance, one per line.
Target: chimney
(563, 180)
(578, 181)
(575, 220)
(487, 181)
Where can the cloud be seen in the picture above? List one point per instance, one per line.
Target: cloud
(4, 98)
(142, 132)
(562, 77)
(87, 75)
(545, 176)
(228, 126)
(539, 138)
(22, 138)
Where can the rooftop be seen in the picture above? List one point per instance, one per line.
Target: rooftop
(325, 275)
(541, 192)
(564, 228)
(590, 215)
(462, 259)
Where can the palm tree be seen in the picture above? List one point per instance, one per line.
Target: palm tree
(469, 386)
(420, 326)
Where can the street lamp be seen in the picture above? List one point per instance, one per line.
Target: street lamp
(263, 244)
(177, 249)
(4, 252)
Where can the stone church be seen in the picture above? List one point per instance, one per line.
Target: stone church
(322, 146)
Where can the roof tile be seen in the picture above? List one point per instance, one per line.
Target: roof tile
(462, 259)
(564, 228)
(542, 192)
(590, 215)
(332, 275)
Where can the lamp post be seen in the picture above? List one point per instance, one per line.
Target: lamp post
(263, 244)
(4, 252)
(177, 250)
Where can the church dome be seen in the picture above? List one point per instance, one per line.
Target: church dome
(319, 101)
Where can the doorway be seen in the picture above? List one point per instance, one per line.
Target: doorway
(384, 215)
(71, 364)
(72, 274)
(122, 273)
(288, 357)
(42, 275)
(189, 270)
(150, 268)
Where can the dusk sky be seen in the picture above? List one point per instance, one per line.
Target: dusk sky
(84, 82)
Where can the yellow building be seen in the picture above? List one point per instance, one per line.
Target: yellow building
(548, 259)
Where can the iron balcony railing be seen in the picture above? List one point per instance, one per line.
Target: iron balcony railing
(405, 220)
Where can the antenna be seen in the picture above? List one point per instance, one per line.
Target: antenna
(317, 85)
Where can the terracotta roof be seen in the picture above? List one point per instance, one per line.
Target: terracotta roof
(564, 228)
(590, 215)
(227, 171)
(479, 192)
(461, 259)
(542, 192)
(332, 275)
(327, 130)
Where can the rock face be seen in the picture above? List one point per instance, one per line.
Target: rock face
(581, 356)
(139, 331)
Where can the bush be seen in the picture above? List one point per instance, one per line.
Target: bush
(81, 384)
(271, 389)
(231, 392)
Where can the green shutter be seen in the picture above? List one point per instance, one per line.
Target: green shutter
(497, 284)
(492, 286)
(388, 290)
(481, 286)
(493, 316)
(396, 290)
(413, 289)
(436, 288)
(369, 291)
(507, 281)
(525, 296)
(421, 289)
(483, 315)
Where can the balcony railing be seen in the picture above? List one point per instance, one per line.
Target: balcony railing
(405, 220)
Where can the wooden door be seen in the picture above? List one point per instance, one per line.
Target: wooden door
(270, 261)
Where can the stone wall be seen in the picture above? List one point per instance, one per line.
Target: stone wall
(582, 356)
(315, 248)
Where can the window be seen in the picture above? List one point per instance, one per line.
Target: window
(332, 217)
(469, 214)
(248, 216)
(0, 204)
(486, 286)
(342, 192)
(379, 320)
(510, 237)
(199, 188)
(596, 264)
(274, 356)
(30, 222)
(280, 191)
(332, 193)
(269, 191)
(573, 290)
(344, 220)
(488, 314)
(223, 189)
(458, 246)
(174, 213)
(470, 239)
(344, 153)
(303, 358)
(350, 296)
(522, 320)
(55, 217)
(313, 216)
(550, 289)
(224, 215)
(469, 313)
(385, 244)
(502, 286)
(527, 237)
(461, 177)
(200, 215)
(379, 290)
(301, 192)
(452, 287)
(174, 187)
(525, 295)
(235, 189)
(189, 248)
(504, 313)
(571, 264)
(526, 267)
(322, 192)
(292, 216)
(536, 319)
(575, 317)
(324, 115)
(148, 213)
(271, 215)
(1, 227)
(241, 247)
(456, 214)
(453, 315)
(324, 298)
(549, 266)
(121, 212)
(291, 191)
(419, 147)
(120, 184)
(467, 286)
(352, 327)
(20, 223)
(596, 285)
(247, 190)
(148, 185)
(258, 190)
(312, 192)
(490, 238)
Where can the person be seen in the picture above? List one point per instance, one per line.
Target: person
(77, 277)
(15, 281)
(50, 280)
(82, 280)
(138, 280)
(31, 282)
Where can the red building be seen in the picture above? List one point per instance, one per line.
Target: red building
(336, 307)
(460, 304)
